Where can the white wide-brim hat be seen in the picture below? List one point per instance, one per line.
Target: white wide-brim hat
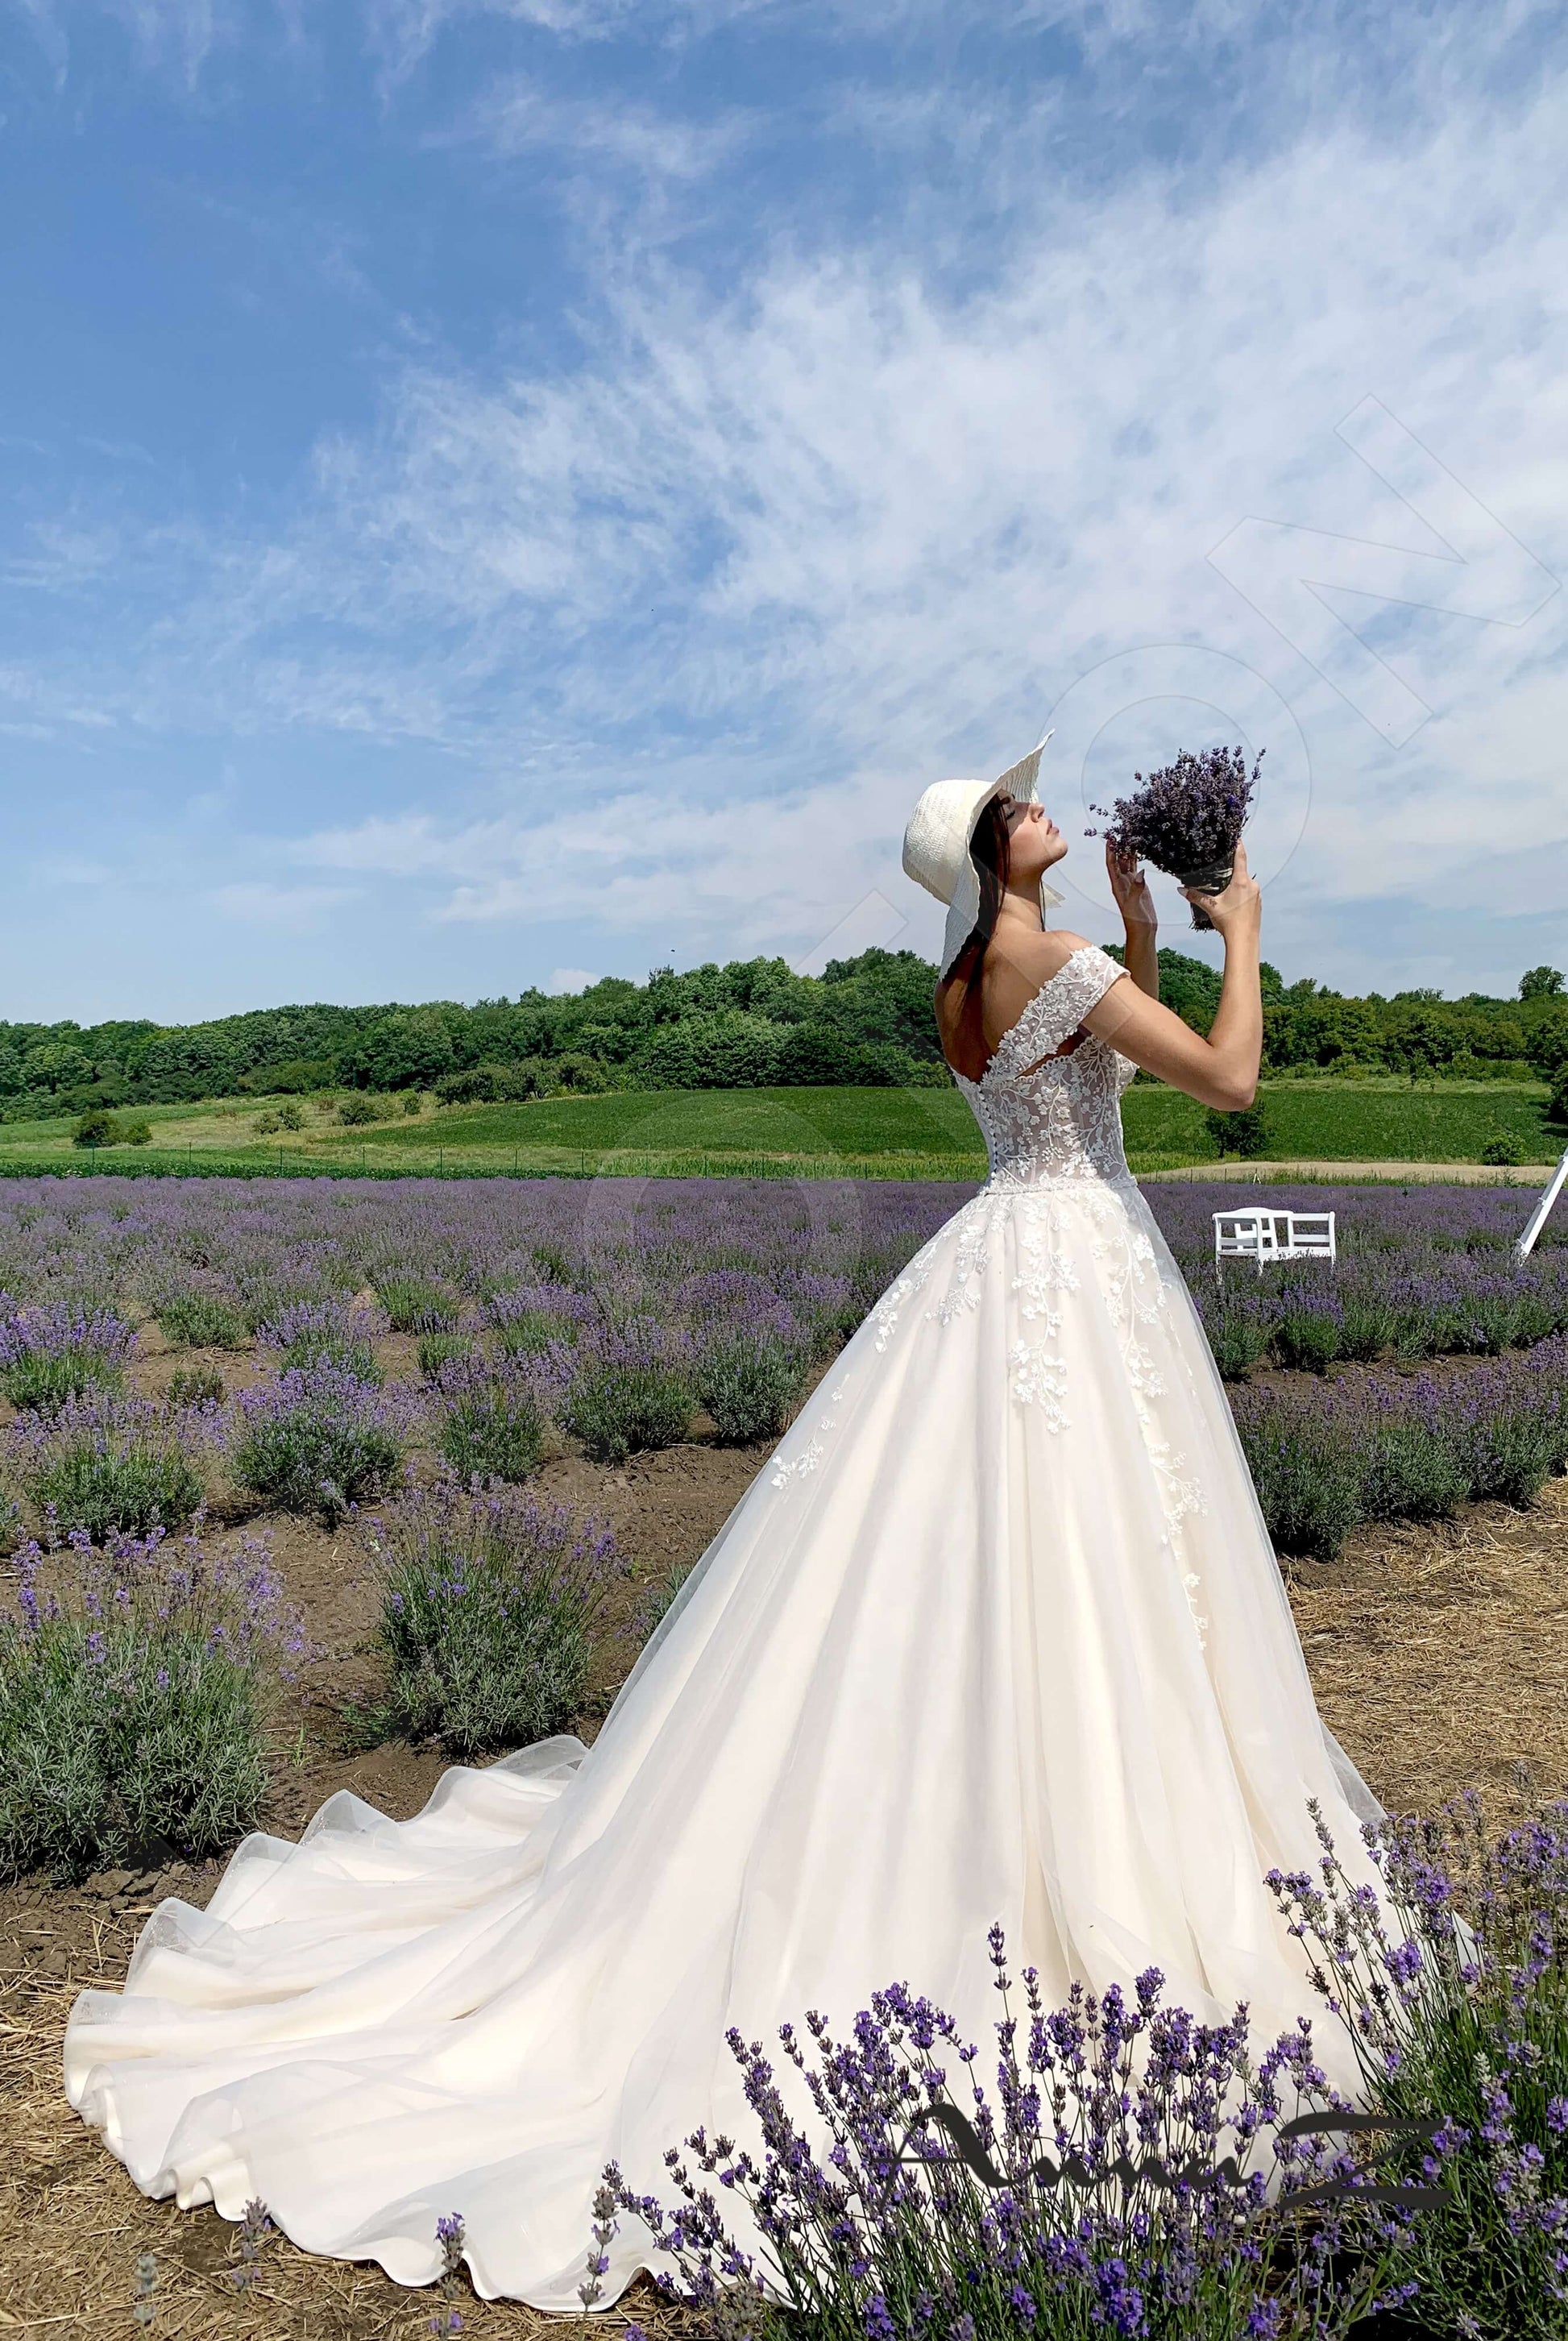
(939, 845)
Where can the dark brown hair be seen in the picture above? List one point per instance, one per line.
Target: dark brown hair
(989, 850)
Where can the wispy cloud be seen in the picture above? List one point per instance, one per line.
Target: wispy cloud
(519, 115)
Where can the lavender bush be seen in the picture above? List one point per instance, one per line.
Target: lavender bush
(331, 1332)
(414, 1306)
(629, 1394)
(106, 1463)
(1388, 1446)
(320, 1440)
(133, 1691)
(1120, 2184)
(195, 1320)
(749, 1382)
(1466, 2017)
(488, 1609)
(487, 1422)
(438, 1350)
(50, 1354)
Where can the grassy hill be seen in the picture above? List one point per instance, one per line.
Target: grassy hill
(808, 1132)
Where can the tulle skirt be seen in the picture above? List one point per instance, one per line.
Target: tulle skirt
(997, 1635)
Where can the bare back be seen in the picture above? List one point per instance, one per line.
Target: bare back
(1016, 966)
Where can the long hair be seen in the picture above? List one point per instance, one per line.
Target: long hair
(989, 850)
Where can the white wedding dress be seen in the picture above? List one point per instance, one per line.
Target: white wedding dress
(998, 1634)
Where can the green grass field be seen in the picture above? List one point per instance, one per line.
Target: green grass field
(802, 1132)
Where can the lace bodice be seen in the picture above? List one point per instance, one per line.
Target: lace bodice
(1060, 1119)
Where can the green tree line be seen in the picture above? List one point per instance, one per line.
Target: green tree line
(751, 1023)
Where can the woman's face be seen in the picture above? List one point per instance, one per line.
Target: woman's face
(1034, 841)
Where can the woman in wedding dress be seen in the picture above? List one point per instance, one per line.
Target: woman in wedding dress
(998, 1634)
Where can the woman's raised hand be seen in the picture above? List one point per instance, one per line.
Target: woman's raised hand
(1130, 887)
(1238, 912)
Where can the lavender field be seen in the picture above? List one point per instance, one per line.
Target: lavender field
(606, 1314)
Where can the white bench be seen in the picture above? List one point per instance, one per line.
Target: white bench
(1259, 1234)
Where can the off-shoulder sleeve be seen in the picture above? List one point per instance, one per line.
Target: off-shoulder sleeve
(1080, 983)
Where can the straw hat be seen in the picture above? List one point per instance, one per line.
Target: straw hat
(939, 841)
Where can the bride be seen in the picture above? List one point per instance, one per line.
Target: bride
(996, 1634)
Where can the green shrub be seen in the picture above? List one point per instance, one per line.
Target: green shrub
(1410, 1473)
(747, 1382)
(1247, 1133)
(196, 1386)
(1504, 1148)
(202, 1320)
(412, 1102)
(1238, 1335)
(106, 1463)
(1309, 1335)
(439, 1350)
(357, 1108)
(265, 1124)
(291, 1114)
(415, 1305)
(1557, 1110)
(1309, 1480)
(530, 1333)
(494, 1084)
(97, 1127)
(138, 1131)
(620, 1407)
(323, 1333)
(318, 1441)
(488, 1605)
(135, 1490)
(132, 1701)
(490, 1432)
(48, 1356)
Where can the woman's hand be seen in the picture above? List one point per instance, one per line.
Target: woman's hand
(1130, 887)
(1237, 914)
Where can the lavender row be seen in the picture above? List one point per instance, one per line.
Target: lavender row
(1421, 1273)
(1388, 1446)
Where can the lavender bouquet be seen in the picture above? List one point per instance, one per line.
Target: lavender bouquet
(1186, 819)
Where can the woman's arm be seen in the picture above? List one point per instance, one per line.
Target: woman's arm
(1222, 1069)
(1139, 920)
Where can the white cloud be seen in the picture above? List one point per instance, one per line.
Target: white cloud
(570, 980)
(846, 531)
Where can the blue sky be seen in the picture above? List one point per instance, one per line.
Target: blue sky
(499, 495)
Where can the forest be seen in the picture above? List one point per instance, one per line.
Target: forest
(751, 1023)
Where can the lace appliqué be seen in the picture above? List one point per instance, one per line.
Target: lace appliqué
(796, 1467)
(1039, 1380)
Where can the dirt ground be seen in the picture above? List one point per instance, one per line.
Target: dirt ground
(1439, 1656)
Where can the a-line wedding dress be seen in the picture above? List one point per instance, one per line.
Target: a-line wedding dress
(998, 1634)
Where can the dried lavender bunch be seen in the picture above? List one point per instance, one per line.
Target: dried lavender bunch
(1187, 818)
